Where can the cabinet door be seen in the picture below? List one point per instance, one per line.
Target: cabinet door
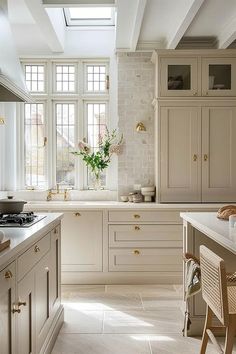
(82, 241)
(7, 318)
(180, 177)
(219, 77)
(26, 317)
(42, 306)
(55, 268)
(218, 154)
(178, 76)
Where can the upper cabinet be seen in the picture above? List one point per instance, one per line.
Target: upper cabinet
(191, 73)
(178, 77)
(219, 76)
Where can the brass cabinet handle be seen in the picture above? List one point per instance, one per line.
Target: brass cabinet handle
(136, 252)
(77, 214)
(205, 157)
(21, 303)
(45, 141)
(136, 216)
(36, 249)
(136, 228)
(8, 274)
(195, 94)
(55, 231)
(194, 157)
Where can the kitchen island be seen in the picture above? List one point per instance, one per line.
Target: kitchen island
(31, 312)
(201, 228)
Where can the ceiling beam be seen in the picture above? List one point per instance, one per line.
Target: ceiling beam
(137, 24)
(185, 23)
(129, 21)
(74, 3)
(46, 26)
(228, 35)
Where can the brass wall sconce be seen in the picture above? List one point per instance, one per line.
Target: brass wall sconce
(140, 127)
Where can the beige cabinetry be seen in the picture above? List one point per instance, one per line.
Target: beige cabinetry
(7, 317)
(197, 159)
(82, 241)
(149, 244)
(195, 125)
(30, 297)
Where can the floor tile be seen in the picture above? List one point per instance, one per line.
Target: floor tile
(106, 301)
(161, 302)
(100, 344)
(81, 321)
(143, 321)
(169, 344)
(69, 290)
(164, 289)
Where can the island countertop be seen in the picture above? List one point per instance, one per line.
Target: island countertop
(214, 228)
(22, 237)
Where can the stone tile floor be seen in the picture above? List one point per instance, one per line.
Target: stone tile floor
(124, 319)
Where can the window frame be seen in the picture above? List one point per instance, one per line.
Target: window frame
(89, 22)
(50, 97)
(37, 63)
(86, 91)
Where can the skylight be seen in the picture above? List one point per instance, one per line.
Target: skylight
(89, 16)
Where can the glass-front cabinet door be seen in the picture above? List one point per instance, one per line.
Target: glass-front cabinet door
(219, 77)
(178, 77)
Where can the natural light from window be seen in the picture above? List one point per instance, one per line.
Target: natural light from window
(90, 13)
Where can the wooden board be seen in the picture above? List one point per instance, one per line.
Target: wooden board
(4, 244)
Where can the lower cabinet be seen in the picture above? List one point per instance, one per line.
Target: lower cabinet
(82, 234)
(30, 297)
(7, 317)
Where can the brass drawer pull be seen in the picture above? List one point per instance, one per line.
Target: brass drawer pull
(194, 157)
(8, 274)
(205, 157)
(21, 303)
(136, 216)
(16, 310)
(77, 214)
(136, 252)
(136, 228)
(36, 249)
(55, 231)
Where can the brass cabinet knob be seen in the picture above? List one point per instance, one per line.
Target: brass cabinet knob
(136, 228)
(36, 249)
(46, 268)
(205, 157)
(194, 157)
(136, 252)
(21, 303)
(77, 214)
(136, 216)
(195, 94)
(8, 274)
(55, 231)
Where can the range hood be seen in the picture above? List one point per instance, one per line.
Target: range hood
(12, 86)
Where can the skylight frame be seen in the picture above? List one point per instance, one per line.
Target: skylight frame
(105, 22)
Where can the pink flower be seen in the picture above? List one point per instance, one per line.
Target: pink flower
(84, 147)
(115, 149)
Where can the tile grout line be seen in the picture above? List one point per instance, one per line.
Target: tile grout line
(141, 301)
(103, 322)
(150, 346)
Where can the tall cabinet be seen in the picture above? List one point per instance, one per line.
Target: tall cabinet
(195, 125)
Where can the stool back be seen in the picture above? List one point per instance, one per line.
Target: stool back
(214, 287)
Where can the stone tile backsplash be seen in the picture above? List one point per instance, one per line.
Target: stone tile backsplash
(135, 95)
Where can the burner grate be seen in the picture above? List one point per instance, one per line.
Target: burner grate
(21, 220)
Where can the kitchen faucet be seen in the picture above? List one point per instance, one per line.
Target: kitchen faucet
(56, 191)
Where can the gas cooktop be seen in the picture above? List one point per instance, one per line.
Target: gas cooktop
(20, 220)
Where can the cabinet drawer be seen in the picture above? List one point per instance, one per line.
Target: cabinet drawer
(33, 255)
(145, 235)
(145, 259)
(145, 216)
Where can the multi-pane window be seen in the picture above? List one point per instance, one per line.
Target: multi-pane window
(65, 137)
(96, 125)
(34, 145)
(96, 79)
(34, 78)
(65, 78)
(54, 125)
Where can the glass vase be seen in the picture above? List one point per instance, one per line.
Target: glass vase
(96, 181)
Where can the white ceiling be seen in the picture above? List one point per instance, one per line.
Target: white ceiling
(142, 24)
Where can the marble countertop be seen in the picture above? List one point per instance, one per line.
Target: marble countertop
(22, 237)
(216, 229)
(72, 205)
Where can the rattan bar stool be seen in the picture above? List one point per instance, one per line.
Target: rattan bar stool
(220, 299)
